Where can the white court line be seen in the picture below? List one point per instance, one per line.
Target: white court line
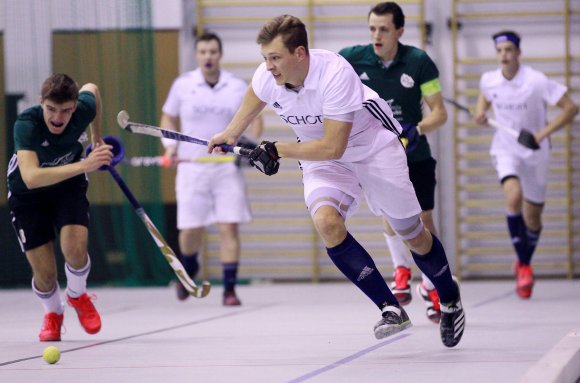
(166, 329)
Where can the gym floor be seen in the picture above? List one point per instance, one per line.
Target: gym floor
(291, 332)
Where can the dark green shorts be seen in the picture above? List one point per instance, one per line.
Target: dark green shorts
(37, 217)
(422, 175)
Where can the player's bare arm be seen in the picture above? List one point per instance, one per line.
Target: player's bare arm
(330, 147)
(569, 111)
(35, 176)
(248, 111)
(480, 109)
(438, 115)
(96, 132)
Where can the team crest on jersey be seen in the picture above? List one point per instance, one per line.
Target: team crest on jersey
(84, 137)
(407, 81)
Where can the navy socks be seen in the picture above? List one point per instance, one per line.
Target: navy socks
(230, 275)
(517, 229)
(435, 266)
(190, 264)
(358, 266)
(524, 239)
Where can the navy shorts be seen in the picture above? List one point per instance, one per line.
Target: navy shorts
(37, 217)
(422, 175)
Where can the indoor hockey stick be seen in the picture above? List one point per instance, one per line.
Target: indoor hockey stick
(124, 122)
(165, 249)
(524, 137)
(163, 161)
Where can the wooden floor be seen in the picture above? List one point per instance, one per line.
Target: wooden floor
(286, 333)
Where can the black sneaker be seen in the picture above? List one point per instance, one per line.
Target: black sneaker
(394, 320)
(452, 323)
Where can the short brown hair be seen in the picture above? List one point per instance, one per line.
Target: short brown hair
(390, 8)
(291, 28)
(59, 88)
(209, 36)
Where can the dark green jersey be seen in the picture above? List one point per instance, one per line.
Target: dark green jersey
(31, 133)
(402, 84)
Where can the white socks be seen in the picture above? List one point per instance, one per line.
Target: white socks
(401, 256)
(76, 280)
(400, 253)
(50, 300)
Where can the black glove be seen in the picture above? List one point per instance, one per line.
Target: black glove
(247, 143)
(411, 134)
(265, 158)
(527, 139)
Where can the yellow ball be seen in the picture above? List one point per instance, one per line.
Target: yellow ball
(51, 355)
(405, 142)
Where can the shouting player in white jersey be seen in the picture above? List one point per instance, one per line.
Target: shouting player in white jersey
(519, 96)
(203, 102)
(347, 145)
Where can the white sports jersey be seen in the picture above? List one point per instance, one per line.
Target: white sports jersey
(374, 162)
(331, 88)
(206, 193)
(520, 103)
(203, 111)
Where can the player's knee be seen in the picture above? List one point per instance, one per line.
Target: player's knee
(330, 225)
(514, 201)
(422, 243)
(75, 255)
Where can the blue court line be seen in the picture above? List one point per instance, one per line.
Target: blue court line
(152, 332)
(348, 359)
(493, 299)
(357, 355)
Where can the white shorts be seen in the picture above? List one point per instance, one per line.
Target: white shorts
(532, 173)
(383, 177)
(210, 193)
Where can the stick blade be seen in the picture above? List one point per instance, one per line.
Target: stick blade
(123, 119)
(205, 289)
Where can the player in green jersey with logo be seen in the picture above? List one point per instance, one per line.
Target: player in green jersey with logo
(404, 76)
(47, 194)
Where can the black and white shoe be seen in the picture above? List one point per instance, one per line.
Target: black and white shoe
(394, 320)
(452, 323)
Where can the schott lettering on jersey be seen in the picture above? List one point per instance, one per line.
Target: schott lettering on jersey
(302, 120)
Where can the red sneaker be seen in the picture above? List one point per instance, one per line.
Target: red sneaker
(230, 299)
(50, 331)
(88, 315)
(524, 280)
(401, 286)
(431, 299)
